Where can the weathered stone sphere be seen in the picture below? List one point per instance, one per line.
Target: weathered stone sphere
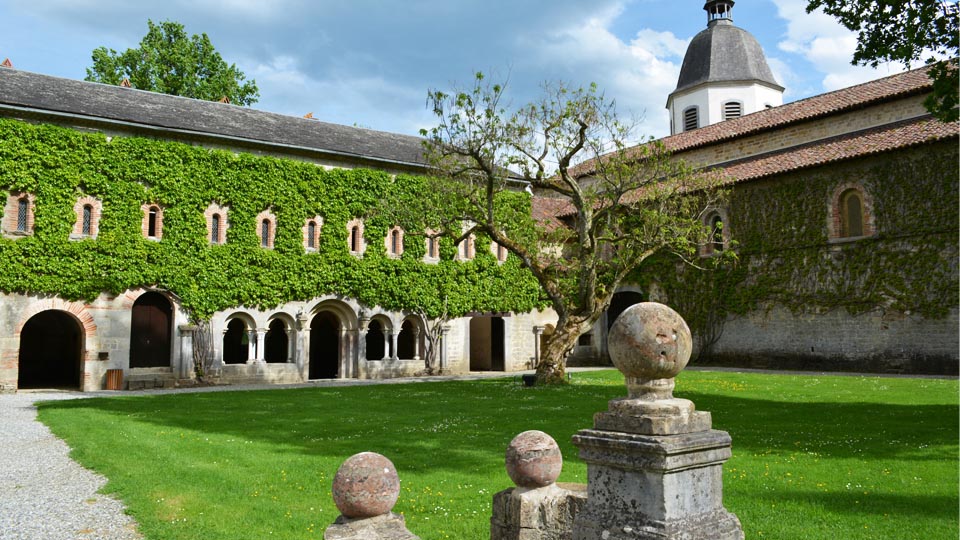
(366, 485)
(533, 459)
(650, 341)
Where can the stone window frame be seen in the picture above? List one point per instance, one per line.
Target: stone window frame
(88, 211)
(223, 213)
(725, 104)
(158, 221)
(356, 243)
(836, 232)
(685, 117)
(11, 214)
(393, 242)
(499, 252)
(708, 248)
(317, 222)
(268, 218)
(431, 244)
(467, 248)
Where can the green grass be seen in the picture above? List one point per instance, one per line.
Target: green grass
(822, 457)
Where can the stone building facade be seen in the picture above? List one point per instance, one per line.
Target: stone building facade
(145, 332)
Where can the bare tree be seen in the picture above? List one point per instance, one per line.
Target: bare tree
(614, 204)
(202, 349)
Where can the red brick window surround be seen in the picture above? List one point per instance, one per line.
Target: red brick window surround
(355, 241)
(431, 253)
(18, 215)
(851, 215)
(266, 229)
(311, 233)
(500, 252)
(152, 224)
(394, 242)
(217, 223)
(87, 225)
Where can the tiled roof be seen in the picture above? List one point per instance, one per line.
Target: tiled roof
(545, 211)
(94, 102)
(858, 144)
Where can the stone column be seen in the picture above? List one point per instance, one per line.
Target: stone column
(654, 465)
(251, 344)
(186, 350)
(291, 345)
(390, 345)
(261, 353)
(416, 342)
(303, 345)
(362, 341)
(537, 332)
(444, 362)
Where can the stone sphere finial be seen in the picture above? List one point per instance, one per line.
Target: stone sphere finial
(533, 460)
(365, 486)
(650, 344)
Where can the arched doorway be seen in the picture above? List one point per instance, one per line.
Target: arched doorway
(236, 343)
(150, 331)
(324, 346)
(51, 351)
(619, 303)
(487, 351)
(276, 348)
(407, 348)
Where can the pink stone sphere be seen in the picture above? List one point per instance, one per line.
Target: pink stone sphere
(650, 341)
(533, 460)
(365, 486)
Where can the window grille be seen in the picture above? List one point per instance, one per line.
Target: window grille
(87, 220)
(311, 235)
(215, 229)
(23, 206)
(265, 233)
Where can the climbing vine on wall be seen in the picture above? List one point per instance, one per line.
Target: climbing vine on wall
(784, 257)
(59, 165)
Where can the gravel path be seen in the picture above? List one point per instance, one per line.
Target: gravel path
(45, 495)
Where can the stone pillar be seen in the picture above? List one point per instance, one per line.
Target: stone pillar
(291, 345)
(416, 341)
(186, 350)
(390, 346)
(538, 508)
(261, 353)
(537, 332)
(365, 489)
(303, 345)
(444, 362)
(654, 465)
(362, 341)
(251, 345)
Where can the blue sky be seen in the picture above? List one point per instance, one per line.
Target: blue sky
(371, 62)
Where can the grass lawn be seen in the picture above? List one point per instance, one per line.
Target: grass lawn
(826, 457)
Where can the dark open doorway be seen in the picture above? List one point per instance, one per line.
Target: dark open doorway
(236, 343)
(150, 331)
(487, 344)
(620, 302)
(324, 346)
(51, 351)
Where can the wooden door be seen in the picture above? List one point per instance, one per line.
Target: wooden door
(151, 331)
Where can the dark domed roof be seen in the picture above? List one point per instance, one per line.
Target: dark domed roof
(724, 52)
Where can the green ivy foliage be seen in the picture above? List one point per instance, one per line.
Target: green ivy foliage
(58, 165)
(784, 256)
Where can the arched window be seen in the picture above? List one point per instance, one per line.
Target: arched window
(432, 249)
(395, 242)
(152, 221)
(355, 238)
(732, 109)
(312, 235)
(691, 118)
(87, 220)
(851, 212)
(716, 233)
(215, 229)
(265, 233)
(23, 211)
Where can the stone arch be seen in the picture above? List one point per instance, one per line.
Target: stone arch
(411, 338)
(51, 347)
(238, 333)
(151, 330)
(333, 329)
(836, 227)
(378, 334)
(77, 309)
(278, 342)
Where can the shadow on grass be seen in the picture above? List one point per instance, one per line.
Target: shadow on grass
(465, 425)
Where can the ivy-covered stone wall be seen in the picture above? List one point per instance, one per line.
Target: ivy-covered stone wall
(795, 298)
(58, 166)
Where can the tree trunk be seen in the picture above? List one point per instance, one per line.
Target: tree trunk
(552, 368)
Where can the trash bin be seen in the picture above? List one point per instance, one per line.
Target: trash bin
(114, 379)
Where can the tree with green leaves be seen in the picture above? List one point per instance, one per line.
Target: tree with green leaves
(906, 31)
(619, 204)
(170, 62)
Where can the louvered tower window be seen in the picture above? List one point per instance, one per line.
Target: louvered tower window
(691, 119)
(732, 109)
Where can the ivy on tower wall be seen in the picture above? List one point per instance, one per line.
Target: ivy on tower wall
(58, 165)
